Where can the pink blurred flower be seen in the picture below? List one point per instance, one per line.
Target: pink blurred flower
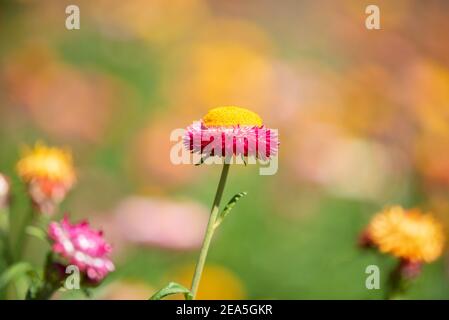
(4, 191)
(82, 246)
(161, 223)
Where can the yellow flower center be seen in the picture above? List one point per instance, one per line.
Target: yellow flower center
(231, 116)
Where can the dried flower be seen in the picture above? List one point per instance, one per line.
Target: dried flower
(228, 131)
(406, 234)
(232, 131)
(49, 175)
(82, 246)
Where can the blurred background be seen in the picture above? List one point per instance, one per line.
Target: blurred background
(363, 117)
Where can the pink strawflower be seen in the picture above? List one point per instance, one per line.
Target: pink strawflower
(82, 246)
(241, 133)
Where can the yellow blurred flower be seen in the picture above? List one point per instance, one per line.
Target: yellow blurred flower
(228, 60)
(407, 234)
(217, 283)
(49, 175)
(50, 163)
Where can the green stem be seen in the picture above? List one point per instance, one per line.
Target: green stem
(22, 236)
(398, 284)
(4, 220)
(6, 232)
(15, 246)
(209, 231)
(45, 292)
(8, 255)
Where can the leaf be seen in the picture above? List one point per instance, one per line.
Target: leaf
(37, 233)
(14, 272)
(229, 208)
(170, 289)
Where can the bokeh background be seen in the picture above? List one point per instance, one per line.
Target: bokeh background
(363, 118)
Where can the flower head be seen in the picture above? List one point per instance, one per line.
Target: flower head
(228, 131)
(48, 173)
(409, 235)
(82, 246)
(47, 163)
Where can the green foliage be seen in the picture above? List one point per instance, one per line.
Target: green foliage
(170, 289)
(228, 208)
(14, 272)
(37, 233)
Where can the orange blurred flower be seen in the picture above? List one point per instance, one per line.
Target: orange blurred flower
(407, 234)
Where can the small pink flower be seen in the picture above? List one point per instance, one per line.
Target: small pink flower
(228, 131)
(82, 246)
